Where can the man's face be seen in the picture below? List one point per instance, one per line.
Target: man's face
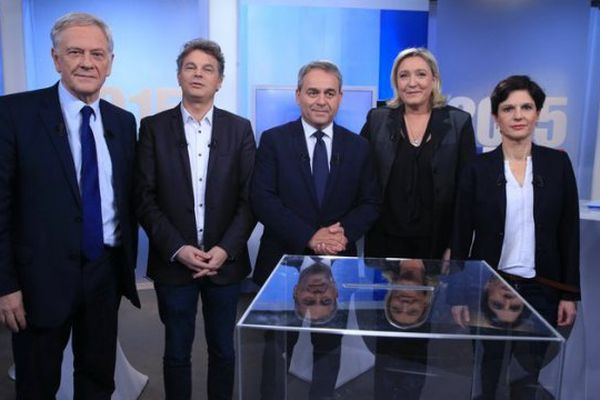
(83, 60)
(316, 296)
(319, 98)
(406, 307)
(199, 77)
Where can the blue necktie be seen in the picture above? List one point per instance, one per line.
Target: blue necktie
(92, 236)
(320, 166)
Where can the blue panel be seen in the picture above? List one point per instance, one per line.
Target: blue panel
(399, 30)
(275, 41)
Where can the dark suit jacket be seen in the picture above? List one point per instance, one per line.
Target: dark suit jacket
(453, 148)
(165, 198)
(40, 203)
(283, 195)
(481, 209)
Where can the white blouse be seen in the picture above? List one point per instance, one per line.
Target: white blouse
(518, 247)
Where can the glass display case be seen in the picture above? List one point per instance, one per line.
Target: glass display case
(359, 328)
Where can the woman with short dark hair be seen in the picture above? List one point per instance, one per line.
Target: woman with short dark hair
(517, 209)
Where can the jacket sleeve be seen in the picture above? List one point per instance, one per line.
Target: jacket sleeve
(266, 203)
(359, 219)
(8, 172)
(236, 235)
(466, 149)
(463, 226)
(569, 231)
(162, 233)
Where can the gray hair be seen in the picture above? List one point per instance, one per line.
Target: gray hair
(79, 19)
(324, 65)
(206, 46)
(437, 99)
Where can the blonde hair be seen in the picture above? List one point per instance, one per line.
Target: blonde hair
(437, 99)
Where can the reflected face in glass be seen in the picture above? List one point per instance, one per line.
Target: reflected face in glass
(517, 116)
(315, 295)
(199, 77)
(502, 302)
(415, 82)
(83, 60)
(406, 307)
(319, 98)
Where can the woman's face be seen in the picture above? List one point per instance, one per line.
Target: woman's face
(517, 116)
(415, 82)
(503, 302)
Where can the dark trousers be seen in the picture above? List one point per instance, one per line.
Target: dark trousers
(531, 356)
(277, 357)
(177, 306)
(38, 351)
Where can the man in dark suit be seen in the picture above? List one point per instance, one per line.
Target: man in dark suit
(68, 237)
(307, 209)
(193, 175)
(315, 191)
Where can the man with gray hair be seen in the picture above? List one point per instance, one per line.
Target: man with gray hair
(192, 181)
(68, 237)
(315, 191)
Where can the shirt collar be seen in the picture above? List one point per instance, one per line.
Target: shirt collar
(72, 106)
(309, 129)
(187, 117)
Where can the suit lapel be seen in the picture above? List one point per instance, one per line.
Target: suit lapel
(52, 118)
(388, 146)
(498, 177)
(537, 162)
(179, 141)
(114, 144)
(216, 137)
(439, 125)
(300, 148)
(338, 147)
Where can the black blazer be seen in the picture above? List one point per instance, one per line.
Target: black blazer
(284, 199)
(453, 148)
(40, 203)
(481, 210)
(165, 198)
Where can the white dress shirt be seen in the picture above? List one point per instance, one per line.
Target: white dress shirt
(198, 135)
(518, 247)
(311, 141)
(71, 110)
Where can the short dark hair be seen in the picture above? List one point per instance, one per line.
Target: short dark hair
(323, 65)
(207, 46)
(513, 83)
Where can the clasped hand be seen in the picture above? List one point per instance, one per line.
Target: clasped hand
(329, 240)
(202, 263)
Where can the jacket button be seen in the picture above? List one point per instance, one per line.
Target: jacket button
(78, 219)
(501, 234)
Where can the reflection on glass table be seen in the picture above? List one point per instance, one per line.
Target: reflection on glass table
(357, 328)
